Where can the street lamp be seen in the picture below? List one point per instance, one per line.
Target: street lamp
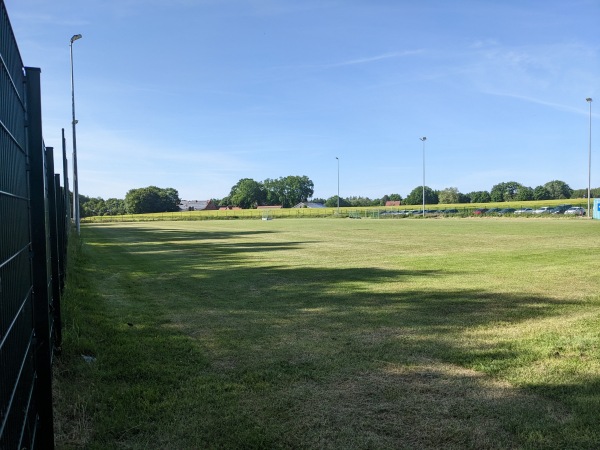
(589, 100)
(338, 195)
(74, 122)
(423, 139)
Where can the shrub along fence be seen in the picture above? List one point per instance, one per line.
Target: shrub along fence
(34, 225)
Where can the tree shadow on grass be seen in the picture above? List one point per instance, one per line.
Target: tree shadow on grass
(327, 360)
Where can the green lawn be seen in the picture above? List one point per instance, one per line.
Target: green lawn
(333, 333)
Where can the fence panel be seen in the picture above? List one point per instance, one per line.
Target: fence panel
(18, 413)
(33, 237)
(41, 265)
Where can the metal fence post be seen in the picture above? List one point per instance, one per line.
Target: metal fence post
(42, 292)
(61, 223)
(54, 254)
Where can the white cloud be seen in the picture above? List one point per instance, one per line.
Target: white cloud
(376, 58)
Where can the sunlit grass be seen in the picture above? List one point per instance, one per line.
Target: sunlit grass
(333, 334)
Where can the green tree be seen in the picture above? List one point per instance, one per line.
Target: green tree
(332, 202)
(91, 206)
(479, 197)
(362, 201)
(449, 195)
(463, 198)
(505, 192)
(558, 189)
(152, 199)
(416, 196)
(288, 191)
(386, 198)
(247, 193)
(275, 192)
(115, 206)
(524, 193)
(541, 193)
(299, 189)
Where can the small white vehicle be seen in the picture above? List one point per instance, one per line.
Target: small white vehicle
(576, 210)
(524, 211)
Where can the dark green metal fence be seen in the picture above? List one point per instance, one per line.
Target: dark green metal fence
(33, 236)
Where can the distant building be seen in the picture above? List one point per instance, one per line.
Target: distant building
(393, 203)
(270, 207)
(309, 205)
(197, 205)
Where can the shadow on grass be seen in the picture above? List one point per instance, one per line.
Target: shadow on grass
(320, 357)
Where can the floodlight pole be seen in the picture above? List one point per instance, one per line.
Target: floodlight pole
(338, 179)
(589, 193)
(76, 216)
(423, 139)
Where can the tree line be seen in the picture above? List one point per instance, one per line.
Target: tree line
(150, 199)
(246, 193)
(285, 191)
(501, 192)
(291, 190)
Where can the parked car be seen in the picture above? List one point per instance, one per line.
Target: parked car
(480, 211)
(506, 211)
(543, 210)
(493, 211)
(560, 209)
(576, 210)
(524, 211)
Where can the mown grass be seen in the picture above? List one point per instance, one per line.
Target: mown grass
(333, 334)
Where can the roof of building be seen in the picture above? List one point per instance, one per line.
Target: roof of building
(393, 203)
(196, 205)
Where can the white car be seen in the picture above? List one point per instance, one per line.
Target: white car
(524, 211)
(577, 210)
(543, 210)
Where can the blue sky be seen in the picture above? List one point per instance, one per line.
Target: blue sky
(197, 94)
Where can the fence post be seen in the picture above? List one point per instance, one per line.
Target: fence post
(67, 201)
(39, 250)
(61, 223)
(54, 248)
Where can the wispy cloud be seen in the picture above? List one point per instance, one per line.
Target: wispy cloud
(547, 75)
(376, 58)
(46, 19)
(538, 101)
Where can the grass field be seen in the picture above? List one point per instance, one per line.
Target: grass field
(323, 333)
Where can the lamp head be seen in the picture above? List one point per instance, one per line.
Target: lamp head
(589, 99)
(75, 37)
(423, 138)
